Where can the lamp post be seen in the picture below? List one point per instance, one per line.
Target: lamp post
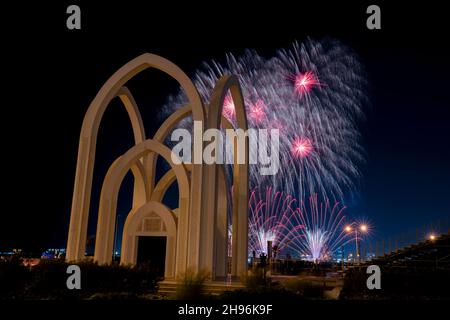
(432, 238)
(363, 229)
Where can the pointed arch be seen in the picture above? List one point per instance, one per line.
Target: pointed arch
(88, 137)
(109, 195)
(240, 180)
(168, 125)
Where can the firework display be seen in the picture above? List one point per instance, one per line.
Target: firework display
(311, 230)
(271, 218)
(313, 93)
(323, 229)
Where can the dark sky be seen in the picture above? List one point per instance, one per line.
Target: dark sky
(52, 74)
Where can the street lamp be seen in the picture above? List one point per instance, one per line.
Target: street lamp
(349, 229)
(432, 237)
(363, 229)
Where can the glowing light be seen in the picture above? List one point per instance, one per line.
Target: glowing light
(264, 237)
(316, 240)
(304, 82)
(432, 237)
(363, 227)
(348, 229)
(301, 147)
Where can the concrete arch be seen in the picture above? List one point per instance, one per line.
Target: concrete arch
(164, 130)
(109, 194)
(131, 232)
(221, 229)
(141, 191)
(164, 183)
(162, 133)
(85, 165)
(87, 145)
(200, 222)
(208, 242)
(240, 181)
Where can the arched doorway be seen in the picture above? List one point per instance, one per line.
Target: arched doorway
(153, 220)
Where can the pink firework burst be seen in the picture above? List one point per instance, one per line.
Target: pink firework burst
(304, 82)
(301, 147)
(228, 110)
(257, 113)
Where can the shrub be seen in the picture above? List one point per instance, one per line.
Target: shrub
(256, 280)
(47, 280)
(191, 284)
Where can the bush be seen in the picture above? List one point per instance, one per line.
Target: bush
(256, 280)
(190, 285)
(115, 278)
(47, 280)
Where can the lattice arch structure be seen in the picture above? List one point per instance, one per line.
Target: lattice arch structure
(197, 230)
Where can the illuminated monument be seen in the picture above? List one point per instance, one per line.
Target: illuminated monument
(196, 232)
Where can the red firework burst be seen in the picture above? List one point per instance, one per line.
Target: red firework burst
(304, 82)
(301, 147)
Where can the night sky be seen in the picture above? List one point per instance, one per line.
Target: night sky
(52, 74)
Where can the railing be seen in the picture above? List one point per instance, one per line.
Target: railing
(371, 248)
